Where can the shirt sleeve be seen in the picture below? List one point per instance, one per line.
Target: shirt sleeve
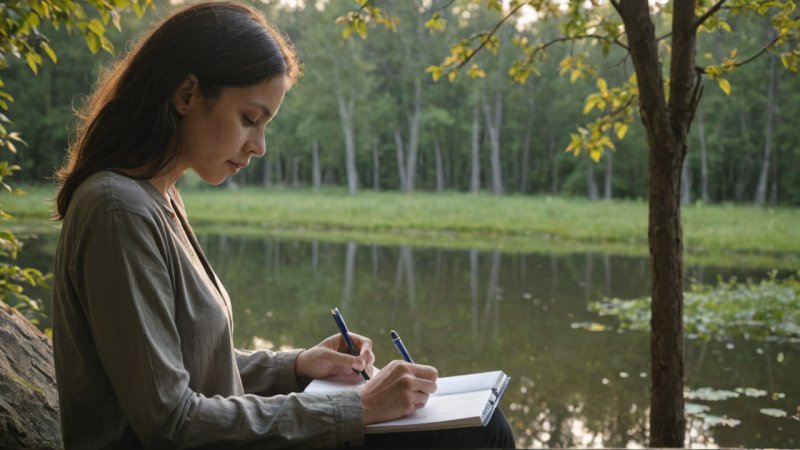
(266, 372)
(121, 271)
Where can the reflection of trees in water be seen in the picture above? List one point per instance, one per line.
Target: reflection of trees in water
(573, 422)
(405, 273)
(512, 310)
(349, 274)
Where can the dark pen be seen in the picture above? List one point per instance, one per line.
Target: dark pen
(402, 348)
(337, 317)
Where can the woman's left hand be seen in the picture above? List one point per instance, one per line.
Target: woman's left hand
(331, 359)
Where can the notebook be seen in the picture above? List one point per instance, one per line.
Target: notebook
(460, 401)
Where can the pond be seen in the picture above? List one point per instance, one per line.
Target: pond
(465, 311)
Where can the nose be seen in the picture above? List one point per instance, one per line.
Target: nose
(257, 145)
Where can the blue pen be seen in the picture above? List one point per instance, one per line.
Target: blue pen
(337, 317)
(402, 348)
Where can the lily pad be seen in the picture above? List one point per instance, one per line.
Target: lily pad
(709, 394)
(773, 412)
(695, 409)
(721, 421)
(751, 392)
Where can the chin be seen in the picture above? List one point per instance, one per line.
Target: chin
(214, 181)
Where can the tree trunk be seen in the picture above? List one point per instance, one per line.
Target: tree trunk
(701, 130)
(741, 167)
(591, 183)
(29, 406)
(413, 136)
(607, 187)
(667, 128)
(494, 120)
(686, 183)
(475, 173)
(278, 166)
(401, 159)
(315, 169)
(437, 146)
(346, 112)
(295, 173)
(266, 172)
(551, 150)
(526, 147)
(761, 190)
(376, 167)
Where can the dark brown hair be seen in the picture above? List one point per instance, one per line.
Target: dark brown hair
(129, 120)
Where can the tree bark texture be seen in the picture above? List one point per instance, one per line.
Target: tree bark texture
(591, 182)
(376, 167)
(315, 172)
(686, 183)
(494, 120)
(437, 146)
(401, 159)
(28, 397)
(413, 137)
(607, 186)
(346, 113)
(761, 189)
(475, 173)
(667, 127)
(701, 130)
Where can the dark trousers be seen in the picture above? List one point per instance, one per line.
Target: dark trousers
(496, 434)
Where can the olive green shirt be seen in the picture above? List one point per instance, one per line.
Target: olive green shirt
(142, 335)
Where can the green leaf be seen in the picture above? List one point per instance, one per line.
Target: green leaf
(97, 27)
(361, 28)
(92, 42)
(33, 61)
(47, 49)
(435, 71)
(725, 85)
(620, 129)
(476, 72)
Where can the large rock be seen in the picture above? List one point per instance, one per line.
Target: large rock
(28, 396)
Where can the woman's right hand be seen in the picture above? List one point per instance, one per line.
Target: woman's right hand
(397, 390)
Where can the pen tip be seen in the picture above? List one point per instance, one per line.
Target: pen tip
(394, 335)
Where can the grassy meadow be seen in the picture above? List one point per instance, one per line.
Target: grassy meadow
(728, 235)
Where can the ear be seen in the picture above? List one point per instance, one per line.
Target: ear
(186, 94)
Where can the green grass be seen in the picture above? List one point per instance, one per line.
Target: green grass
(720, 234)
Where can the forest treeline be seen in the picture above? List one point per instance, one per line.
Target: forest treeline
(366, 115)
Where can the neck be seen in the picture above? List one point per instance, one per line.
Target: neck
(163, 182)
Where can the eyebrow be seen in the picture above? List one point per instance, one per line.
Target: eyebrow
(262, 107)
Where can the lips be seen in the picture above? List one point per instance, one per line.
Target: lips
(238, 165)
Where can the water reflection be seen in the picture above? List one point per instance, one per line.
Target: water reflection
(465, 311)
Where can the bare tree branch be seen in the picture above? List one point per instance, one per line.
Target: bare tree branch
(760, 52)
(443, 6)
(491, 33)
(711, 11)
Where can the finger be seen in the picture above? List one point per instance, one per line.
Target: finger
(425, 386)
(424, 371)
(363, 344)
(341, 359)
(420, 399)
(359, 363)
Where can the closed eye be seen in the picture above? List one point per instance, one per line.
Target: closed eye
(247, 121)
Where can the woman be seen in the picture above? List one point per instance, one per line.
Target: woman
(142, 326)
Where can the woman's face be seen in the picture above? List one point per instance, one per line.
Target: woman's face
(218, 137)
